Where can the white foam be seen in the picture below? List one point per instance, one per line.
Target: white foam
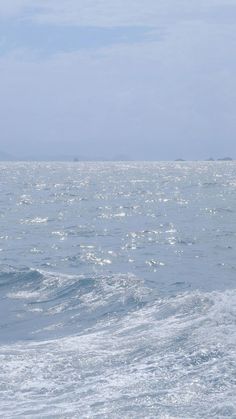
(171, 358)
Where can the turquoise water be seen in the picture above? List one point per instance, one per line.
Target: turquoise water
(117, 290)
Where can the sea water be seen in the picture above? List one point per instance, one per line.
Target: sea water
(118, 290)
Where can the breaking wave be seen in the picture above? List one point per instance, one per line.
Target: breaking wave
(110, 345)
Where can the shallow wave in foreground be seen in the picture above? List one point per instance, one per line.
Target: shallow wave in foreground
(108, 347)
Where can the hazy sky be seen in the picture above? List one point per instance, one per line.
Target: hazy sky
(153, 79)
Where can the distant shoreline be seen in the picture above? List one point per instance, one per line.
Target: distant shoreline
(223, 160)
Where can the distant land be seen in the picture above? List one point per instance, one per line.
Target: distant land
(210, 159)
(5, 156)
(60, 157)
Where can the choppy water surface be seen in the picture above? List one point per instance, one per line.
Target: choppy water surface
(117, 290)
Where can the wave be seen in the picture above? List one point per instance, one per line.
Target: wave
(132, 352)
(41, 302)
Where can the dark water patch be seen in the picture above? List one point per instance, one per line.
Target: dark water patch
(10, 277)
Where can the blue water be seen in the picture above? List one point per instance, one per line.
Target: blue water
(118, 290)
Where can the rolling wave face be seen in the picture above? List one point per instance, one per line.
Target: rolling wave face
(45, 304)
(167, 357)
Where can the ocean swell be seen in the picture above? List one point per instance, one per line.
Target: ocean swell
(123, 350)
(48, 304)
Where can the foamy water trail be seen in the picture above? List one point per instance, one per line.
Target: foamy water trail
(167, 357)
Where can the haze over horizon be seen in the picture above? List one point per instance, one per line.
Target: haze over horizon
(101, 79)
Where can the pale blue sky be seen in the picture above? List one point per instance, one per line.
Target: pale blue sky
(151, 80)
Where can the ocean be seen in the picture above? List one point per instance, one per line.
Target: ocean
(118, 290)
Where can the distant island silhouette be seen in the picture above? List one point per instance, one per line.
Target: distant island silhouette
(5, 156)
